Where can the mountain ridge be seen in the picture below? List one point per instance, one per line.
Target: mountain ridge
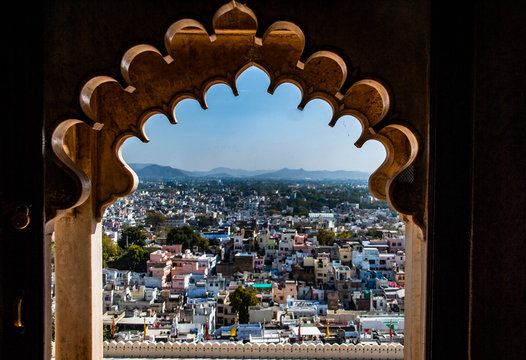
(164, 172)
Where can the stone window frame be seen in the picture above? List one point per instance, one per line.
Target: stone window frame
(156, 83)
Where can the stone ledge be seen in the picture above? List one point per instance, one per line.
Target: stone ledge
(251, 351)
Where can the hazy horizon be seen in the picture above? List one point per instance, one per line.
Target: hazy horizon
(254, 131)
(226, 167)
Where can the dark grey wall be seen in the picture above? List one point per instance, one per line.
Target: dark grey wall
(21, 181)
(477, 192)
(499, 180)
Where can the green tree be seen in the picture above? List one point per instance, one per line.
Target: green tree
(300, 226)
(106, 333)
(344, 234)
(381, 217)
(301, 211)
(372, 232)
(155, 219)
(110, 250)
(53, 254)
(131, 235)
(206, 221)
(325, 237)
(53, 326)
(133, 259)
(186, 236)
(240, 300)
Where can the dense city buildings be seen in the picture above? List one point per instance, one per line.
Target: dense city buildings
(279, 261)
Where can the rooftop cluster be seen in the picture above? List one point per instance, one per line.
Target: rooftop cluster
(257, 262)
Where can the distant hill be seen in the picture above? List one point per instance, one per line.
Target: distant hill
(158, 172)
(138, 166)
(154, 171)
(301, 174)
(231, 172)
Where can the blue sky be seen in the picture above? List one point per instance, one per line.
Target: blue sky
(254, 131)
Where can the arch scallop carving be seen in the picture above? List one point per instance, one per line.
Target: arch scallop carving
(196, 60)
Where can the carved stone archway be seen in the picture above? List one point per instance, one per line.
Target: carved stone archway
(156, 83)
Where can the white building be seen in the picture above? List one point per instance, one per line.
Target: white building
(286, 241)
(367, 259)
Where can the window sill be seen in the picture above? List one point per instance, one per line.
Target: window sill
(239, 350)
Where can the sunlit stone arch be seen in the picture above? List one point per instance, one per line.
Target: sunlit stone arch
(196, 60)
(155, 82)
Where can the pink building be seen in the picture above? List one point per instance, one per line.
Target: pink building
(304, 248)
(399, 259)
(159, 256)
(388, 261)
(258, 263)
(301, 244)
(395, 244)
(187, 264)
(300, 239)
(282, 291)
(175, 249)
(159, 266)
(180, 282)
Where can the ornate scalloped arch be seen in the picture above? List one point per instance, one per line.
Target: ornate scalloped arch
(196, 60)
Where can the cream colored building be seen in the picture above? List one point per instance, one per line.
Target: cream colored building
(224, 314)
(322, 268)
(346, 255)
(258, 314)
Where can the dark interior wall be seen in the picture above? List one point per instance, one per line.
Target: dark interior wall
(478, 177)
(449, 222)
(499, 181)
(21, 182)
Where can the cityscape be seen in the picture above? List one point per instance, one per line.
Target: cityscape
(251, 259)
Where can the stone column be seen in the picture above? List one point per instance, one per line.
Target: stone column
(78, 285)
(415, 293)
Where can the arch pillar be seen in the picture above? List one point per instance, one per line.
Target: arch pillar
(78, 267)
(78, 284)
(415, 292)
